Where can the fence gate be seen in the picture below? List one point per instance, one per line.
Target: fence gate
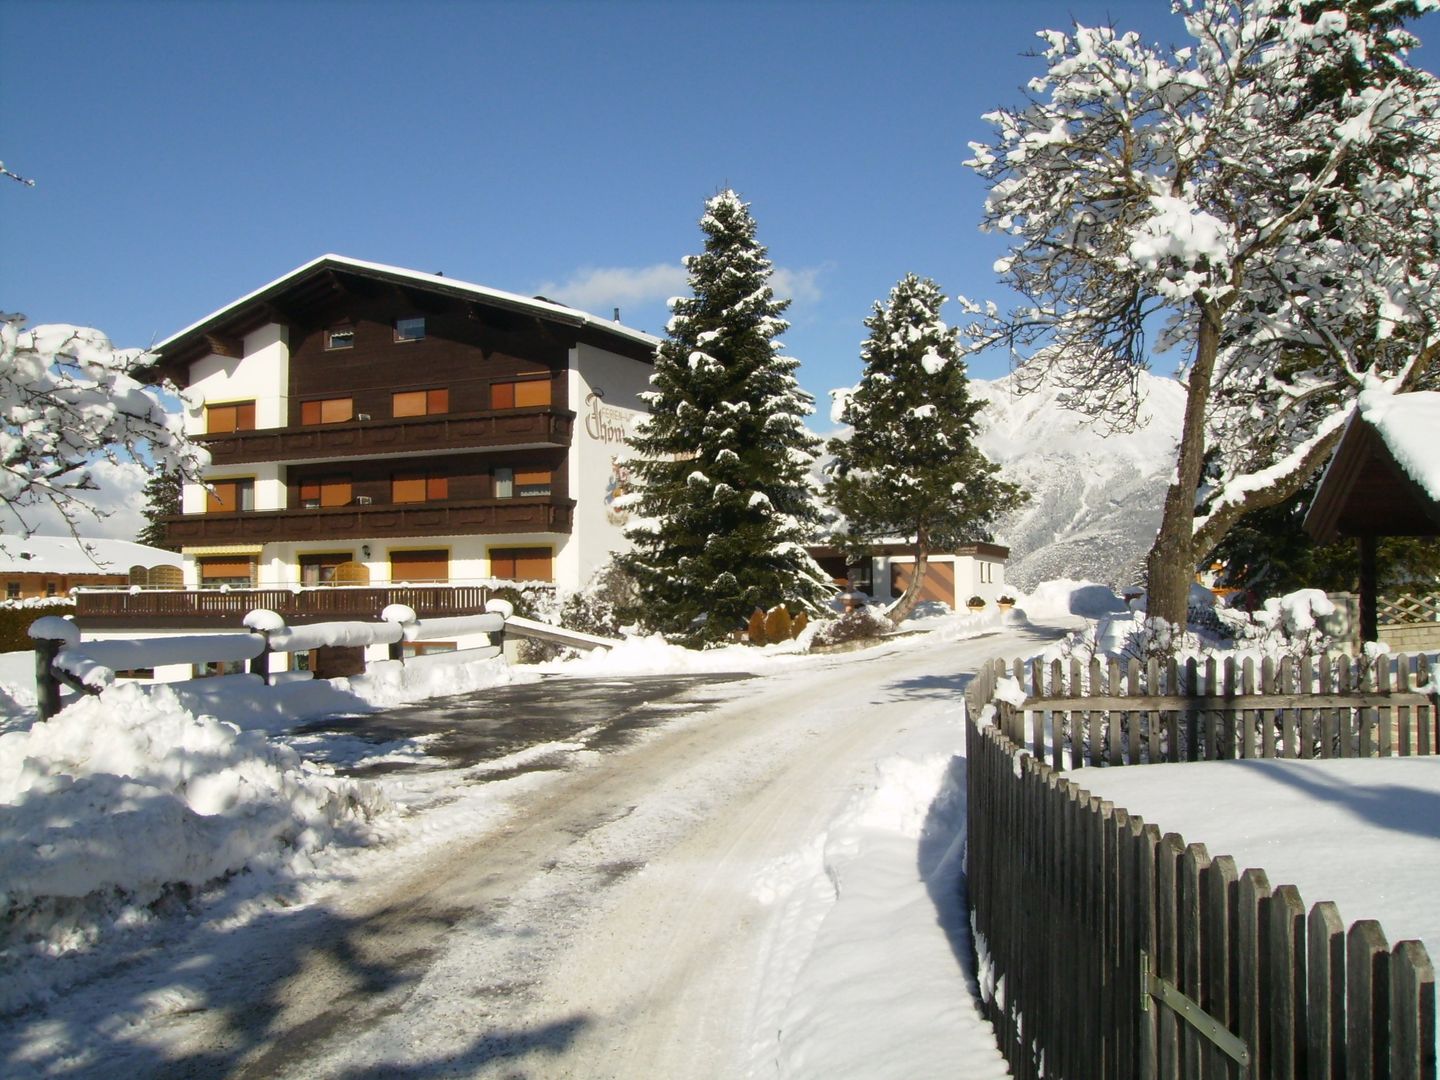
(1205, 1025)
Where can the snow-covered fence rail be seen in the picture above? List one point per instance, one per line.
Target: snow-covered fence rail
(1131, 714)
(1109, 950)
(61, 659)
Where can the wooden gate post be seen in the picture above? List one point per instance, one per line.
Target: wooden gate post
(47, 686)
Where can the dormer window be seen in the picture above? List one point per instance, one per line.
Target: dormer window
(340, 337)
(411, 329)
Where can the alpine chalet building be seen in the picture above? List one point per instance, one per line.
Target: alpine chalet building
(370, 425)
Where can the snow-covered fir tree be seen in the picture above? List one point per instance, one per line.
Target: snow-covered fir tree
(908, 468)
(1267, 198)
(723, 497)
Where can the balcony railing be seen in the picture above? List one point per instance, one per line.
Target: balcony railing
(102, 609)
(519, 515)
(508, 428)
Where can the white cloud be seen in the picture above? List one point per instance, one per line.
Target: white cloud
(599, 288)
(802, 286)
(120, 494)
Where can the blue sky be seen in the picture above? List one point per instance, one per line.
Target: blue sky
(187, 153)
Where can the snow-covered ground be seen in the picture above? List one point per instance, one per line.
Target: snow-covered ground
(1364, 833)
(152, 824)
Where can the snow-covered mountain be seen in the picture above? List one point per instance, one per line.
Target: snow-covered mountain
(1095, 500)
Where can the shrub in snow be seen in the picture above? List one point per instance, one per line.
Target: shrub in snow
(596, 608)
(862, 624)
(127, 799)
(1285, 625)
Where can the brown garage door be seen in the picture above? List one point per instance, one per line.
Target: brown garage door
(939, 583)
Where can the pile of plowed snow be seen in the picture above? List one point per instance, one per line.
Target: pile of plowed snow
(126, 798)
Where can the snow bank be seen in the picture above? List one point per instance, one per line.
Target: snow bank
(126, 797)
(1066, 597)
(878, 892)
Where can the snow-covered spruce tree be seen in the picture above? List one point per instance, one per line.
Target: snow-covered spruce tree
(162, 499)
(723, 497)
(1266, 198)
(69, 398)
(909, 468)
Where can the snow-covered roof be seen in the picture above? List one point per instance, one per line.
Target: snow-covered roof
(1408, 424)
(67, 555)
(547, 309)
(1384, 479)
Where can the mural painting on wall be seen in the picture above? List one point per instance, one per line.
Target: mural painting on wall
(616, 486)
(609, 425)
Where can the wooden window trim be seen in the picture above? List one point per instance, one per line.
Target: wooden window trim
(230, 416)
(340, 410)
(400, 338)
(408, 403)
(522, 393)
(227, 496)
(426, 558)
(419, 488)
(326, 491)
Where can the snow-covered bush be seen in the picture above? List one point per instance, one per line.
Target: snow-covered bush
(862, 624)
(1286, 625)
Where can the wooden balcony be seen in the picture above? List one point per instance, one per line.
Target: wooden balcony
(214, 608)
(520, 515)
(504, 429)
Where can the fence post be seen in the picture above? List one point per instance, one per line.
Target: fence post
(47, 686)
(1412, 1003)
(1367, 1001)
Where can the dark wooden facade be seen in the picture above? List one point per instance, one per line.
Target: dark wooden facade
(519, 515)
(386, 435)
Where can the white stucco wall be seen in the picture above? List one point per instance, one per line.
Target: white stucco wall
(279, 564)
(261, 375)
(269, 486)
(604, 389)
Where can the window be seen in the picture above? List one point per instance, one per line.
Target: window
(340, 337)
(12, 590)
(411, 329)
(236, 416)
(520, 394)
(504, 483)
(331, 491)
(50, 589)
(532, 482)
(213, 668)
(227, 570)
(327, 411)
(230, 496)
(412, 649)
(420, 565)
(320, 569)
(521, 564)
(421, 402)
(418, 487)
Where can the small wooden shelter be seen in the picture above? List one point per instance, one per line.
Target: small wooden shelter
(1382, 481)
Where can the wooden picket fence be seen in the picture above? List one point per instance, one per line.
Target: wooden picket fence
(1109, 951)
(1133, 713)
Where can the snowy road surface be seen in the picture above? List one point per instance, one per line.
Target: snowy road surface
(689, 904)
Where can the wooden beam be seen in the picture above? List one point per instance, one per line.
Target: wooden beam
(225, 345)
(1369, 587)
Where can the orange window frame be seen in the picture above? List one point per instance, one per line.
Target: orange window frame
(327, 411)
(234, 416)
